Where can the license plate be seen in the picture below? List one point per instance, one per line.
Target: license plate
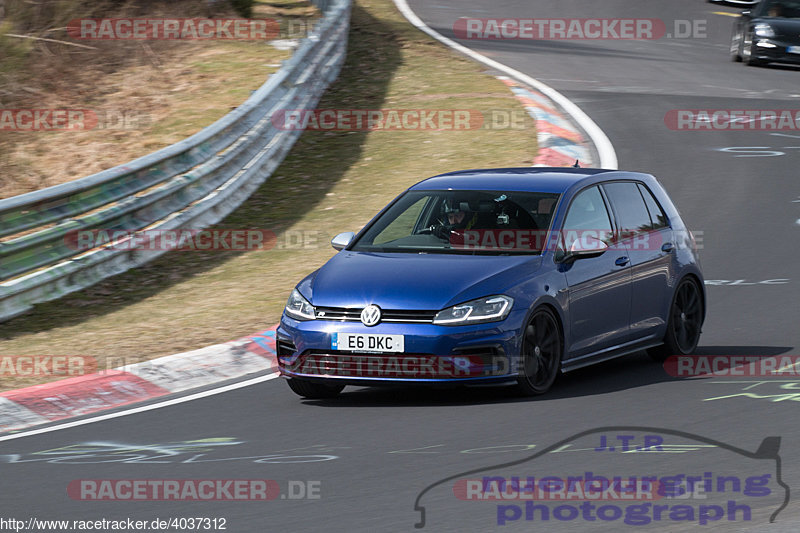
(793, 49)
(367, 342)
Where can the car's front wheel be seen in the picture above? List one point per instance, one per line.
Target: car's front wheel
(541, 353)
(749, 54)
(684, 323)
(314, 391)
(736, 47)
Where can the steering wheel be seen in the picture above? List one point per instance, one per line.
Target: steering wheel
(439, 230)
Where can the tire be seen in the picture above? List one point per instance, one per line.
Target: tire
(542, 348)
(751, 60)
(736, 47)
(314, 391)
(684, 324)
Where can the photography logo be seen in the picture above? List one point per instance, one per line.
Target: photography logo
(615, 475)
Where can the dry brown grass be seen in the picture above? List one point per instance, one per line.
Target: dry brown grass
(147, 94)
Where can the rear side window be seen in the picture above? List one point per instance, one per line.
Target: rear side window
(632, 214)
(658, 219)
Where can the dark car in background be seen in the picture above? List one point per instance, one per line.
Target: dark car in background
(734, 3)
(497, 275)
(770, 32)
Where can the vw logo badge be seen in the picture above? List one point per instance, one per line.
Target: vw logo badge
(371, 315)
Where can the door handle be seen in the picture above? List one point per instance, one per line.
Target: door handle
(621, 261)
(667, 247)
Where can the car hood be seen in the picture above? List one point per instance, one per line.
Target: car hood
(413, 281)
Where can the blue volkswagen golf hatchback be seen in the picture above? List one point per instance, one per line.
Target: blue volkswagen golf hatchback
(497, 275)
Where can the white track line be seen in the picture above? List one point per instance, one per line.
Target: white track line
(144, 408)
(608, 157)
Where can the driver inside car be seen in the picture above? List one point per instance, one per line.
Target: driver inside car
(776, 11)
(459, 219)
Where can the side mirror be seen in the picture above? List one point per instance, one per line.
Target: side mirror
(585, 248)
(341, 241)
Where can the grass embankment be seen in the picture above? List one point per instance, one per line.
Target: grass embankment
(331, 182)
(146, 94)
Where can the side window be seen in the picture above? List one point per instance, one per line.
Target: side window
(658, 219)
(587, 217)
(629, 207)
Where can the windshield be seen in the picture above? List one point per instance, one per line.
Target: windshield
(780, 9)
(471, 222)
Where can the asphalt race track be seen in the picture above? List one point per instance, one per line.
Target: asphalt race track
(365, 457)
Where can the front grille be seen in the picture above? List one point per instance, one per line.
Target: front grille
(353, 314)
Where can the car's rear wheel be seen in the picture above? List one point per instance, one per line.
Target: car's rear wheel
(541, 353)
(684, 323)
(314, 391)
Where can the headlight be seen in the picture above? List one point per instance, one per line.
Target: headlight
(764, 30)
(491, 309)
(298, 307)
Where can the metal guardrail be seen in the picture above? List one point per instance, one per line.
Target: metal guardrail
(191, 184)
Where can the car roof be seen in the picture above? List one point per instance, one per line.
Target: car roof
(538, 179)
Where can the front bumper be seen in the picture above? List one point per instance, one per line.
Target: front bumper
(480, 353)
(775, 50)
